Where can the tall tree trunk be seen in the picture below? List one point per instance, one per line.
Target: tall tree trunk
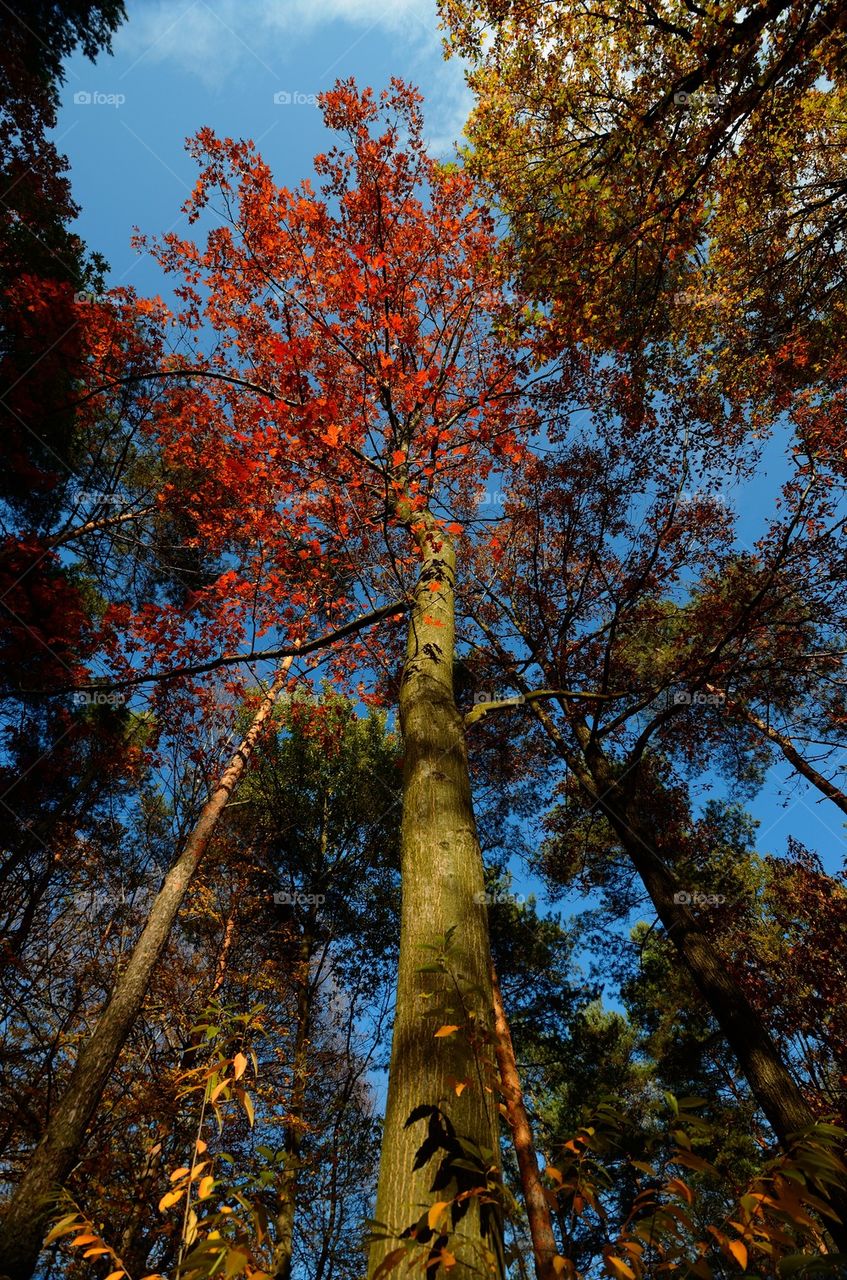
(770, 1081)
(442, 890)
(23, 1224)
(544, 1249)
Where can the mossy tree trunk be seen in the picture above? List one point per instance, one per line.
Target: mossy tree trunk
(444, 977)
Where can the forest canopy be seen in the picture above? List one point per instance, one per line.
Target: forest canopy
(424, 623)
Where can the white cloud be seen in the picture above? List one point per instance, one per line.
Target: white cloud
(214, 41)
(211, 39)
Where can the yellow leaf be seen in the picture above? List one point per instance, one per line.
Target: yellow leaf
(248, 1107)
(435, 1212)
(561, 1266)
(461, 1086)
(64, 1227)
(445, 1031)
(239, 1064)
(170, 1198)
(201, 1145)
(180, 1173)
(618, 1268)
(218, 1090)
(739, 1253)
(205, 1187)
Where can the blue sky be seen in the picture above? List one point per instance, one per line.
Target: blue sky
(181, 64)
(251, 68)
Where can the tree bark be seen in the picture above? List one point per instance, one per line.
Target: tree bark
(23, 1224)
(535, 1202)
(442, 889)
(770, 1081)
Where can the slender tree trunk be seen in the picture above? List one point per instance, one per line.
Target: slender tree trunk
(442, 890)
(23, 1224)
(535, 1202)
(786, 746)
(294, 1131)
(770, 1081)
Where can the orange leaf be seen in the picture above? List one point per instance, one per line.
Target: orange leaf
(739, 1253)
(445, 1031)
(239, 1063)
(398, 457)
(435, 1212)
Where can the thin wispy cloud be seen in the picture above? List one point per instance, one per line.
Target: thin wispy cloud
(214, 39)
